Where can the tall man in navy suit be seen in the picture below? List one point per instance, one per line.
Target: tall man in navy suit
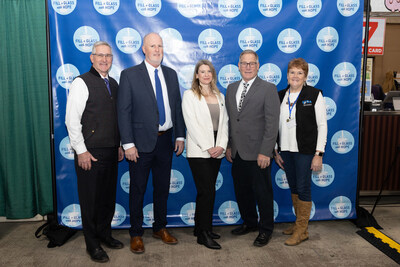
(150, 118)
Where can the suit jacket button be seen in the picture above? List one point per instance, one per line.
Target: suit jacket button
(237, 120)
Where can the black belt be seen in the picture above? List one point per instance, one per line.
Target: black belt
(164, 132)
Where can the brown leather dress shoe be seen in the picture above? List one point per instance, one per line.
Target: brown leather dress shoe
(137, 245)
(165, 237)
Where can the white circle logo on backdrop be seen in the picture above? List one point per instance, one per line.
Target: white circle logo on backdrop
(115, 72)
(344, 74)
(340, 207)
(177, 181)
(210, 41)
(309, 8)
(148, 8)
(187, 213)
(148, 214)
(313, 74)
(342, 142)
(289, 41)
(106, 7)
(270, 8)
(219, 182)
(228, 74)
(348, 7)
(128, 40)
(65, 149)
(230, 8)
(66, 74)
(228, 212)
(250, 38)
(281, 180)
(312, 212)
(276, 210)
(71, 215)
(63, 7)
(327, 39)
(330, 108)
(191, 8)
(185, 76)
(270, 73)
(84, 38)
(119, 215)
(172, 40)
(184, 149)
(324, 177)
(125, 182)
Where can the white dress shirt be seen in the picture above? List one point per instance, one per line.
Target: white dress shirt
(241, 88)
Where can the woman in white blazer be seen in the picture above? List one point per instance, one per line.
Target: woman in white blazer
(206, 121)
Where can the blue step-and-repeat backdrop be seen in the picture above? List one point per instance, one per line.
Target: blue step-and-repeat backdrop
(326, 33)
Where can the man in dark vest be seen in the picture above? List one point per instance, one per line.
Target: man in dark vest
(91, 120)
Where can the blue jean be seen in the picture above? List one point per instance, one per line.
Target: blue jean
(298, 173)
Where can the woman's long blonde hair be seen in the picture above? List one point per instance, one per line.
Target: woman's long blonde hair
(196, 87)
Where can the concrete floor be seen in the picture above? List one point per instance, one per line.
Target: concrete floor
(332, 243)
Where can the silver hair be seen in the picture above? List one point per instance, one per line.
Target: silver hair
(248, 51)
(98, 43)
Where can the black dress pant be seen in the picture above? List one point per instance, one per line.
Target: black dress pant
(97, 191)
(253, 187)
(205, 173)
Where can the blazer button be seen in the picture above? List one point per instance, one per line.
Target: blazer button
(237, 120)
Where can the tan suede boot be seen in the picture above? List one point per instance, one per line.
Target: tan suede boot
(300, 233)
(291, 228)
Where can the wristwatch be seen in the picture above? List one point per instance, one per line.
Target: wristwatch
(319, 153)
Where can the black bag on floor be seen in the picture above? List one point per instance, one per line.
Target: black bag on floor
(56, 233)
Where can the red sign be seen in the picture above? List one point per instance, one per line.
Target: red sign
(376, 36)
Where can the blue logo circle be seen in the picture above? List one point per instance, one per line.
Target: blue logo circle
(63, 7)
(148, 214)
(276, 210)
(289, 41)
(65, 149)
(125, 182)
(185, 76)
(172, 41)
(342, 142)
(313, 74)
(219, 182)
(119, 215)
(270, 8)
(327, 39)
(324, 177)
(66, 74)
(191, 8)
(309, 8)
(250, 38)
(84, 38)
(228, 212)
(340, 207)
(187, 213)
(148, 8)
(106, 7)
(281, 180)
(330, 108)
(344, 74)
(115, 72)
(228, 74)
(270, 73)
(128, 40)
(71, 215)
(177, 181)
(184, 149)
(348, 7)
(210, 41)
(230, 8)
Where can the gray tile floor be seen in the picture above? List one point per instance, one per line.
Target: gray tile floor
(332, 243)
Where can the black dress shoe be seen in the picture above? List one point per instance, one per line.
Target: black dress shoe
(98, 255)
(113, 243)
(243, 229)
(205, 239)
(262, 239)
(211, 234)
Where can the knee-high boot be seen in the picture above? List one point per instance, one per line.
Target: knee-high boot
(300, 233)
(291, 228)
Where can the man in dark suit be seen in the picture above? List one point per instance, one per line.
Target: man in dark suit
(150, 117)
(253, 108)
(91, 120)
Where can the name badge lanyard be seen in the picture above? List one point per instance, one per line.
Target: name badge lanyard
(291, 106)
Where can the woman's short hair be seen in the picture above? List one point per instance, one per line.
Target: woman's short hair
(299, 63)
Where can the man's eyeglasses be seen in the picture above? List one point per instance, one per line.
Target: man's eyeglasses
(104, 55)
(245, 64)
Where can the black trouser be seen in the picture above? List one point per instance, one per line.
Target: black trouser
(205, 173)
(97, 191)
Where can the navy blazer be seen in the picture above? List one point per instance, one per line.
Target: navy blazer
(138, 117)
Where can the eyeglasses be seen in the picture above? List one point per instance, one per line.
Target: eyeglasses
(245, 64)
(104, 55)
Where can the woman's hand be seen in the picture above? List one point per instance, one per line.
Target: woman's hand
(279, 160)
(316, 164)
